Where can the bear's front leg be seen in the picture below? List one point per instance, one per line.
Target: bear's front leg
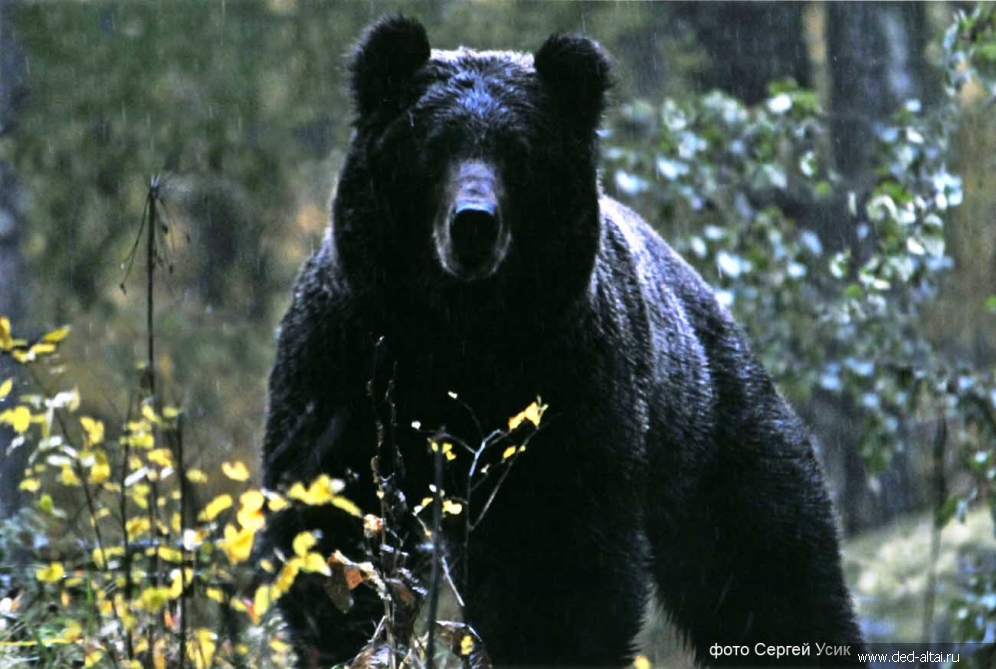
(746, 557)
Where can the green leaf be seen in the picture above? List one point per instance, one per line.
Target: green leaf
(838, 264)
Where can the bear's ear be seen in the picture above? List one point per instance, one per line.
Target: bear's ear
(578, 73)
(384, 60)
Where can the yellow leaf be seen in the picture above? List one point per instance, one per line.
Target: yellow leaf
(641, 662)
(153, 599)
(73, 632)
(215, 506)
(55, 336)
(50, 574)
(5, 388)
(275, 501)
(285, 579)
(196, 476)
(251, 519)
(159, 657)
(303, 543)
(321, 491)
(315, 563)
(447, 449)
(340, 502)
(68, 477)
(139, 493)
(451, 507)
(298, 492)
(30, 485)
(424, 504)
(170, 412)
(19, 418)
(137, 526)
(149, 414)
(141, 440)
(237, 544)
(170, 554)
(508, 452)
(93, 656)
(236, 471)
(215, 594)
(201, 649)
(6, 341)
(100, 471)
(252, 500)
(94, 430)
(161, 457)
(179, 581)
(42, 348)
(466, 645)
(260, 603)
(533, 413)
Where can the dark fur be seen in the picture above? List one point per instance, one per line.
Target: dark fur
(667, 455)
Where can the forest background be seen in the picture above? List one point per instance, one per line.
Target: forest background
(828, 167)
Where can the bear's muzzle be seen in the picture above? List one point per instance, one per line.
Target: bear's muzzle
(470, 234)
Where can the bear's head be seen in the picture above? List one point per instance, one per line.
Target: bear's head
(472, 175)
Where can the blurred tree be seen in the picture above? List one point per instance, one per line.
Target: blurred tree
(13, 277)
(246, 104)
(750, 44)
(877, 64)
(877, 61)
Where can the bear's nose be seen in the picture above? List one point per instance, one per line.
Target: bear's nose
(474, 231)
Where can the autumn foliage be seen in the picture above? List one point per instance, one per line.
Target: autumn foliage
(150, 571)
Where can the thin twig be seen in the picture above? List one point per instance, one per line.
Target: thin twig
(129, 586)
(940, 495)
(152, 200)
(182, 473)
(437, 531)
(150, 260)
(384, 465)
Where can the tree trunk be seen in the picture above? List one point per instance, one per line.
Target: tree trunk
(750, 44)
(876, 62)
(875, 54)
(12, 269)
